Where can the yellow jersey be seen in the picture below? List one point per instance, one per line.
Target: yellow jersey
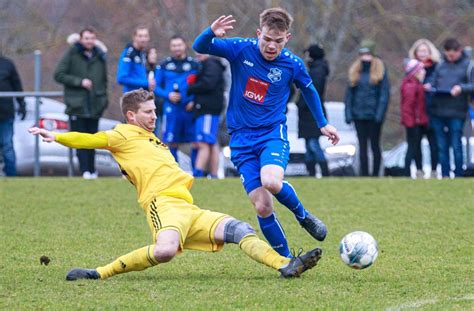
(143, 159)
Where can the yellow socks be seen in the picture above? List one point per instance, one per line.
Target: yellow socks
(138, 260)
(261, 252)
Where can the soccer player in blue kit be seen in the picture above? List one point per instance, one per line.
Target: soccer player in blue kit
(262, 73)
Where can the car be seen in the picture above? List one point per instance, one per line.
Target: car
(394, 159)
(342, 158)
(54, 158)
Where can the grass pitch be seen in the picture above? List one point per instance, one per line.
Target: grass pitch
(424, 230)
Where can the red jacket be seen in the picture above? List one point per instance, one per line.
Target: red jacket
(412, 105)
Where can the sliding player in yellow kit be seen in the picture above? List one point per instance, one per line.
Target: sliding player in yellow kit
(163, 193)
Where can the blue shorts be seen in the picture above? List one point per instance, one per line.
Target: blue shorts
(206, 128)
(177, 126)
(251, 150)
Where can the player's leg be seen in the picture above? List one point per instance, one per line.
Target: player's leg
(214, 160)
(201, 159)
(273, 160)
(169, 129)
(231, 230)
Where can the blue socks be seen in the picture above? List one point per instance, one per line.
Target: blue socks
(274, 234)
(194, 153)
(174, 152)
(287, 196)
(198, 173)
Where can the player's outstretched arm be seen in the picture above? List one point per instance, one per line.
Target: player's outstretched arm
(73, 139)
(218, 29)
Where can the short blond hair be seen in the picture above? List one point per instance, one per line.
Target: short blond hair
(276, 18)
(131, 101)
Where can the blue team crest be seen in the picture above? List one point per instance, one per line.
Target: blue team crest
(274, 75)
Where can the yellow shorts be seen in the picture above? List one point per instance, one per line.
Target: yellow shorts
(195, 226)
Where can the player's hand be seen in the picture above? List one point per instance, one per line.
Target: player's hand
(189, 106)
(151, 84)
(220, 26)
(456, 90)
(331, 133)
(47, 135)
(174, 97)
(86, 83)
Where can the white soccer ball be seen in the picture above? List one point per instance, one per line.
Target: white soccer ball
(358, 250)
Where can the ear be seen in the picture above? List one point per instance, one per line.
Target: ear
(129, 116)
(259, 32)
(288, 36)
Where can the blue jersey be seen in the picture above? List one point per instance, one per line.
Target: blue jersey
(175, 72)
(260, 88)
(131, 72)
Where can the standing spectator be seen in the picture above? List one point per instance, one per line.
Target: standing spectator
(151, 67)
(367, 99)
(9, 82)
(413, 113)
(318, 69)
(171, 80)
(424, 51)
(208, 91)
(452, 83)
(83, 72)
(132, 73)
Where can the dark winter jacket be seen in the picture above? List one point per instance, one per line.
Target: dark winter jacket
(71, 70)
(412, 103)
(9, 82)
(208, 88)
(430, 69)
(366, 100)
(446, 76)
(319, 71)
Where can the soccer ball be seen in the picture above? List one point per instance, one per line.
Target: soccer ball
(358, 250)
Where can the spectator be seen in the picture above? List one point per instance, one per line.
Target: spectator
(171, 79)
(83, 72)
(151, 67)
(132, 73)
(9, 82)
(318, 69)
(208, 91)
(413, 113)
(425, 51)
(452, 83)
(367, 99)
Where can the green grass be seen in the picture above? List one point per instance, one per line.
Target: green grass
(424, 230)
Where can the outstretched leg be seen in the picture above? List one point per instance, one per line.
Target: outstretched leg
(166, 247)
(231, 230)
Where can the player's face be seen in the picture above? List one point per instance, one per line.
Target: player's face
(88, 40)
(271, 42)
(141, 39)
(145, 117)
(178, 48)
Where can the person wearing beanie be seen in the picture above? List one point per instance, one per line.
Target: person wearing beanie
(318, 69)
(367, 98)
(424, 51)
(413, 113)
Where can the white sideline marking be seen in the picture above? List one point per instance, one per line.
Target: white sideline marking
(420, 303)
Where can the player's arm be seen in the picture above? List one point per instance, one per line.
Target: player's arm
(210, 40)
(76, 140)
(313, 101)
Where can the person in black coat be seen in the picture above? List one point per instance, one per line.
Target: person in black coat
(9, 82)
(318, 69)
(208, 90)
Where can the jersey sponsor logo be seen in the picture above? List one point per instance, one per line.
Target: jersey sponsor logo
(137, 59)
(275, 154)
(274, 75)
(256, 90)
(248, 63)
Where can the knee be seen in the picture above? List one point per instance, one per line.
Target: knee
(165, 253)
(263, 208)
(272, 184)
